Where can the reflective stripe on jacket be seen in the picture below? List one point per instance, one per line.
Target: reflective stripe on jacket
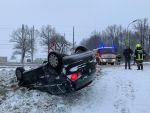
(139, 55)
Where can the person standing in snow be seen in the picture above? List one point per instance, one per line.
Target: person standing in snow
(127, 53)
(118, 57)
(139, 56)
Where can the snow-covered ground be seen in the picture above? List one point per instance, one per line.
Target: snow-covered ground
(115, 90)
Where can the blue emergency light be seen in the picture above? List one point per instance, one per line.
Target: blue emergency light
(101, 46)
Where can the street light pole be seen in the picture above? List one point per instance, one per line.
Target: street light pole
(128, 31)
(141, 32)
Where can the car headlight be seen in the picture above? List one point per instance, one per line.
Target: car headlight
(114, 60)
(104, 60)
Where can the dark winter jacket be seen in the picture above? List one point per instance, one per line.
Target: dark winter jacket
(139, 54)
(118, 56)
(127, 53)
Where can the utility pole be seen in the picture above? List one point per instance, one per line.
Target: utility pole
(141, 31)
(32, 41)
(149, 43)
(48, 43)
(23, 54)
(73, 37)
(144, 34)
(63, 45)
(64, 35)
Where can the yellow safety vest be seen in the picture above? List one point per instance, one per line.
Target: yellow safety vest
(139, 55)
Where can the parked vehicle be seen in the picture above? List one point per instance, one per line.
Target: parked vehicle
(106, 55)
(61, 73)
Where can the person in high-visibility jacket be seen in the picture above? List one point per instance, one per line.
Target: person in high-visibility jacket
(139, 56)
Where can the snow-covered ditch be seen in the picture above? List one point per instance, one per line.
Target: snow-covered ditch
(115, 90)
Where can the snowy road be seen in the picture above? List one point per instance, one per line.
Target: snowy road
(115, 90)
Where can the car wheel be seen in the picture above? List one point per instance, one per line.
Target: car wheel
(104, 63)
(112, 63)
(80, 49)
(19, 73)
(55, 60)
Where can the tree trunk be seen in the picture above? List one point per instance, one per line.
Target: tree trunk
(22, 57)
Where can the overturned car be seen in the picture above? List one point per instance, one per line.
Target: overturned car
(61, 73)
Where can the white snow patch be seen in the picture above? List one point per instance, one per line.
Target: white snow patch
(115, 90)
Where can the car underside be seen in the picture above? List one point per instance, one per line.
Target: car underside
(61, 73)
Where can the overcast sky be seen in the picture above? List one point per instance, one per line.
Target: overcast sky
(85, 15)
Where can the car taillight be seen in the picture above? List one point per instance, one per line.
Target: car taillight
(74, 76)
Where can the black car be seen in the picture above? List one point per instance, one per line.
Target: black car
(61, 73)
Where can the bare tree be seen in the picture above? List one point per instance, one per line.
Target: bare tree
(142, 29)
(83, 42)
(33, 35)
(112, 35)
(47, 32)
(61, 44)
(52, 40)
(114, 32)
(22, 42)
(148, 47)
(117, 35)
(92, 42)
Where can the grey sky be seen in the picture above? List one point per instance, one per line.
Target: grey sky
(85, 15)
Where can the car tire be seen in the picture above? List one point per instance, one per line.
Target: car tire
(104, 63)
(80, 49)
(19, 73)
(55, 60)
(112, 63)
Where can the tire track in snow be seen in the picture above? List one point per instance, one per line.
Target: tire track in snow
(125, 93)
(124, 87)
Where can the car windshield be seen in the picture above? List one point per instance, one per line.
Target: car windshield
(107, 50)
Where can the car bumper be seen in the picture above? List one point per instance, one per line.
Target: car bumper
(108, 60)
(83, 82)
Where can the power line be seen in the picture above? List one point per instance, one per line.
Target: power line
(6, 44)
